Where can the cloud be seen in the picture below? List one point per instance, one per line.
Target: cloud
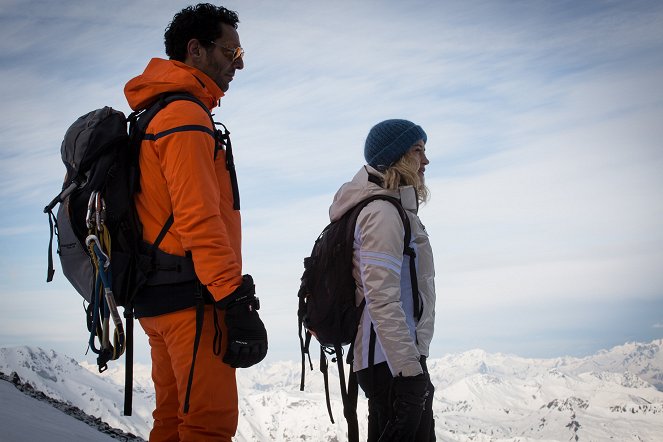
(20, 230)
(543, 121)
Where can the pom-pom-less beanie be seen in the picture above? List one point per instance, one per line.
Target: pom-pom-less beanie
(389, 140)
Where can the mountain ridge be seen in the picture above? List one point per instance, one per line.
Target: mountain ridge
(615, 393)
(93, 422)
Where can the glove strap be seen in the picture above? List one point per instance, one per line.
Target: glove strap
(245, 292)
(216, 346)
(252, 301)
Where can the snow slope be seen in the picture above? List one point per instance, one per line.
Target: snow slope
(64, 379)
(611, 395)
(26, 419)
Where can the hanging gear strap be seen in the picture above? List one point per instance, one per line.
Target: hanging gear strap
(324, 368)
(222, 139)
(349, 397)
(371, 355)
(53, 225)
(129, 362)
(353, 394)
(200, 315)
(349, 392)
(129, 321)
(304, 343)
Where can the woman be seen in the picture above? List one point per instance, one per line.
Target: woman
(396, 325)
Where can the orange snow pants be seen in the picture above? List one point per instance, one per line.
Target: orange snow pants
(213, 409)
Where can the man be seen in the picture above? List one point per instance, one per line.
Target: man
(186, 174)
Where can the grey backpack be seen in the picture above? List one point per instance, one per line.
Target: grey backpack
(99, 235)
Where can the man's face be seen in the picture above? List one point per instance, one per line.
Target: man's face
(217, 61)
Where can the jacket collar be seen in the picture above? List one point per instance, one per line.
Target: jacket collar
(166, 76)
(406, 194)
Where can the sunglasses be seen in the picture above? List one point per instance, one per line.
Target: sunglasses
(236, 53)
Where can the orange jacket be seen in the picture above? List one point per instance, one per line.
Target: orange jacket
(180, 175)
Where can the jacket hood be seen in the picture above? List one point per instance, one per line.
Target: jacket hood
(360, 188)
(163, 76)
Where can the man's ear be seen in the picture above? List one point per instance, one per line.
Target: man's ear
(194, 50)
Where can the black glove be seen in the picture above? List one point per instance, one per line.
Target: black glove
(247, 337)
(409, 395)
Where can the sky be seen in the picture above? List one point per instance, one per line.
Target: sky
(545, 140)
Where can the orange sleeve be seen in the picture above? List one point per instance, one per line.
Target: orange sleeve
(186, 155)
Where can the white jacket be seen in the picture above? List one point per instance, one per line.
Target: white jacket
(382, 274)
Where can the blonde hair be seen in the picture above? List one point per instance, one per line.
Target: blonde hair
(405, 172)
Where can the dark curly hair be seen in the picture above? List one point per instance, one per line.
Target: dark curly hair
(202, 22)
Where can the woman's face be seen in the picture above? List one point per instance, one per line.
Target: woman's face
(418, 149)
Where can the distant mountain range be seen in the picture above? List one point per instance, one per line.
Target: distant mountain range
(614, 395)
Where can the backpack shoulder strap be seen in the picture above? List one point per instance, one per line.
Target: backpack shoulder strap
(142, 118)
(407, 250)
(401, 211)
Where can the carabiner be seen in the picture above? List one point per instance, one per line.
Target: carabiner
(95, 240)
(90, 209)
(97, 209)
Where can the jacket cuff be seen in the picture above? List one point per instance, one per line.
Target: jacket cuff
(220, 292)
(411, 369)
(244, 293)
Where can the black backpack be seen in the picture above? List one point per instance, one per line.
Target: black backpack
(327, 308)
(97, 227)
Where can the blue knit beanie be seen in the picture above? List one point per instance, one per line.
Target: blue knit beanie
(389, 140)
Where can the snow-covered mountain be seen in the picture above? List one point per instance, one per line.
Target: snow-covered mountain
(27, 419)
(616, 394)
(64, 379)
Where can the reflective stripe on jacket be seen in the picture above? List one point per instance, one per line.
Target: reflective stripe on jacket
(382, 274)
(180, 175)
